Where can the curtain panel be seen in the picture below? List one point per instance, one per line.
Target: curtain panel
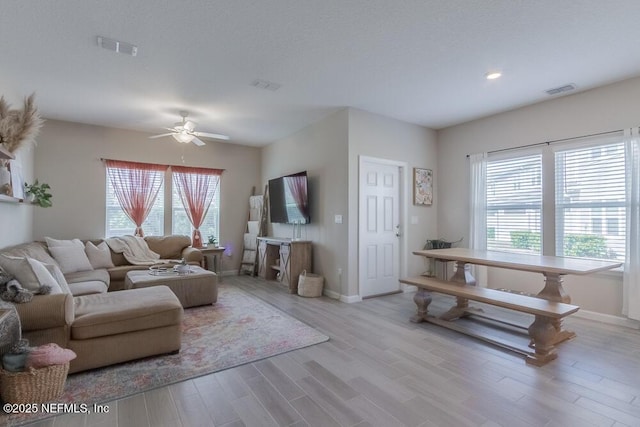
(631, 275)
(197, 188)
(478, 211)
(136, 186)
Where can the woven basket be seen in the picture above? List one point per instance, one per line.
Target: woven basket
(310, 285)
(34, 385)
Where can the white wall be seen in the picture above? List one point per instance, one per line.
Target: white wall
(16, 219)
(381, 137)
(68, 158)
(329, 150)
(321, 150)
(603, 109)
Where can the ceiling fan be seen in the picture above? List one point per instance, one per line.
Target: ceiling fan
(184, 131)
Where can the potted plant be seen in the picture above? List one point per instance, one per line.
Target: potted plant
(39, 193)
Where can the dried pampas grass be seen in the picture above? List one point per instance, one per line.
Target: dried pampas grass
(18, 127)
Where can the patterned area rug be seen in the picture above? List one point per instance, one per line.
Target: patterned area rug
(238, 329)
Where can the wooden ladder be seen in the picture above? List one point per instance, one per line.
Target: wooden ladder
(249, 261)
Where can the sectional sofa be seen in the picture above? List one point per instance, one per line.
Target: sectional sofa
(96, 318)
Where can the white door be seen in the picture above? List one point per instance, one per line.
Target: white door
(379, 229)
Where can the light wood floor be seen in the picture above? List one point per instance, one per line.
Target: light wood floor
(379, 369)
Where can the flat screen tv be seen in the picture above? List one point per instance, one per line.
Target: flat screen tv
(289, 199)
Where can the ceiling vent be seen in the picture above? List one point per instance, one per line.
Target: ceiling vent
(265, 84)
(561, 89)
(117, 46)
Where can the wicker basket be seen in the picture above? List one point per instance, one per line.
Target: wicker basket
(310, 285)
(34, 385)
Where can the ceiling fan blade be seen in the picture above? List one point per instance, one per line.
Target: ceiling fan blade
(211, 135)
(198, 142)
(160, 136)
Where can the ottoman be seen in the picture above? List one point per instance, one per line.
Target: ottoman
(198, 287)
(120, 326)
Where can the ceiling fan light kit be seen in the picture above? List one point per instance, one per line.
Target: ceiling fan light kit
(183, 137)
(184, 132)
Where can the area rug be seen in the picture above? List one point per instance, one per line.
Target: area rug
(238, 329)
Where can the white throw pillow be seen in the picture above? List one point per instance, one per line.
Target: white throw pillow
(20, 268)
(99, 256)
(30, 272)
(57, 274)
(54, 243)
(71, 258)
(44, 276)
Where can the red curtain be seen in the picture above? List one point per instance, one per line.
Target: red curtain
(298, 186)
(136, 187)
(197, 188)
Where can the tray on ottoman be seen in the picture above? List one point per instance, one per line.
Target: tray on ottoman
(197, 287)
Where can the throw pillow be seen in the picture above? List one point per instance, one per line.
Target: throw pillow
(57, 274)
(54, 243)
(43, 276)
(30, 273)
(20, 268)
(71, 258)
(99, 256)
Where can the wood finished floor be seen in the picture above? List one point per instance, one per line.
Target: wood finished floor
(378, 369)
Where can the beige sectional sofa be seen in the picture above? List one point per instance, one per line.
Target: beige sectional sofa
(101, 325)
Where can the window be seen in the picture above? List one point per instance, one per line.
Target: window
(182, 225)
(590, 202)
(134, 188)
(514, 204)
(586, 215)
(135, 200)
(118, 223)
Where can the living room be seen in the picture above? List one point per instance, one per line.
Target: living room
(69, 151)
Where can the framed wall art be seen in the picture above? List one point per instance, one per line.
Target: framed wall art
(422, 186)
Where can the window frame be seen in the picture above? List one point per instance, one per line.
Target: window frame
(549, 222)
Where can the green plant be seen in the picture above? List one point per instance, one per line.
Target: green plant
(40, 193)
(586, 245)
(528, 240)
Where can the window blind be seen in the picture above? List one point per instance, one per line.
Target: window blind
(514, 204)
(590, 202)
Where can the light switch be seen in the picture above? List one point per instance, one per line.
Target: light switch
(414, 220)
(338, 219)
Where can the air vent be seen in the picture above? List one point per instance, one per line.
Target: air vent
(117, 46)
(557, 90)
(265, 84)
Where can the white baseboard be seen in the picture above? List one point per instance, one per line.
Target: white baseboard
(342, 298)
(350, 298)
(608, 318)
(330, 294)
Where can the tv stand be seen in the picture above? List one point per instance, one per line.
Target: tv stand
(283, 259)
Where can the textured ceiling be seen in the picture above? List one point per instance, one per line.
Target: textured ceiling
(419, 61)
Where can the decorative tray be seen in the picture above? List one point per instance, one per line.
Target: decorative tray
(163, 270)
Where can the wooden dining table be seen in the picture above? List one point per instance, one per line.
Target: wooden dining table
(552, 268)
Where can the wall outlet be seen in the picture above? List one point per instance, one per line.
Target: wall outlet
(338, 219)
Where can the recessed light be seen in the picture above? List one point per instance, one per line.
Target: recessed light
(493, 75)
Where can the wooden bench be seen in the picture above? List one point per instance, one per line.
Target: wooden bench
(543, 332)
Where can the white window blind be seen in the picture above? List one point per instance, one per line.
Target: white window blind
(514, 204)
(180, 222)
(119, 224)
(590, 202)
